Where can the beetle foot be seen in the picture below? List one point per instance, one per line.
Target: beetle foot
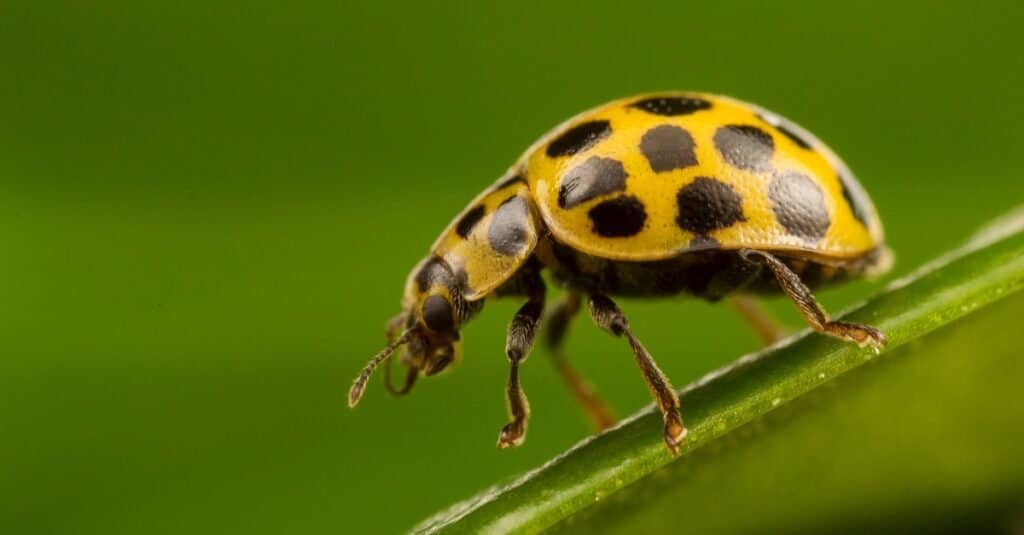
(862, 335)
(513, 434)
(674, 431)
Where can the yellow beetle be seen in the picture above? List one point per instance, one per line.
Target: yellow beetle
(652, 195)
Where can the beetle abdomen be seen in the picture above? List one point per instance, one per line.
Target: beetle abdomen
(708, 274)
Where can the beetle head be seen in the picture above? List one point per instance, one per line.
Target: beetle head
(427, 330)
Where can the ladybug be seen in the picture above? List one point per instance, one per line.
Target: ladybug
(650, 196)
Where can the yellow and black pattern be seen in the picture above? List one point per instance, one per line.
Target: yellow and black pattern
(649, 196)
(651, 178)
(491, 239)
(654, 176)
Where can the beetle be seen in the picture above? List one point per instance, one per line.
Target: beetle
(653, 195)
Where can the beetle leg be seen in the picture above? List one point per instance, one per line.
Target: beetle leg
(521, 333)
(557, 325)
(608, 316)
(767, 329)
(816, 317)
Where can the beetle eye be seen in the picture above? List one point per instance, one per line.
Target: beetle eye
(437, 314)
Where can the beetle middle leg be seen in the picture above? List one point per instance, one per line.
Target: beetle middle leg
(606, 314)
(557, 326)
(813, 313)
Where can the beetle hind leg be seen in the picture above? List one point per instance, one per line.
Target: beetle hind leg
(598, 412)
(765, 326)
(813, 313)
(606, 314)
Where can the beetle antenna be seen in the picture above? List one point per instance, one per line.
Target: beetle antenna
(410, 379)
(356, 392)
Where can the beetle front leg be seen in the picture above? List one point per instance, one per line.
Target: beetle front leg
(521, 333)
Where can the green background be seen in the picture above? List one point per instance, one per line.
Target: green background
(207, 213)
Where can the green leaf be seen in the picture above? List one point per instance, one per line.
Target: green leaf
(868, 444)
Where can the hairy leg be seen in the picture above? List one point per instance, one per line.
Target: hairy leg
(606, 314)
(816, 317)
(521, 333)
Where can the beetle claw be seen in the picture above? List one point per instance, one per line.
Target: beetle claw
(512, 434)
(675, 432)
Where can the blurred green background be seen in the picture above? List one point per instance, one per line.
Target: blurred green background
(207, 212)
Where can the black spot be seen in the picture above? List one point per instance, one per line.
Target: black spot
(434, 271)
(786, 130)
(744, 146)
(592, 178)
(668, 147)
(578, 138)
(619, 217)
(509, 227)
(437, 314)
(707, 204)
(799, 205)
(701, 242)
(855, 198)
(672, 105)
(465, 225)
(514, 179)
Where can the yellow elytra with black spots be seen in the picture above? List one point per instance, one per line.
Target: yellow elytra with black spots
(652, 195)
(662, 176)
(649, 178)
